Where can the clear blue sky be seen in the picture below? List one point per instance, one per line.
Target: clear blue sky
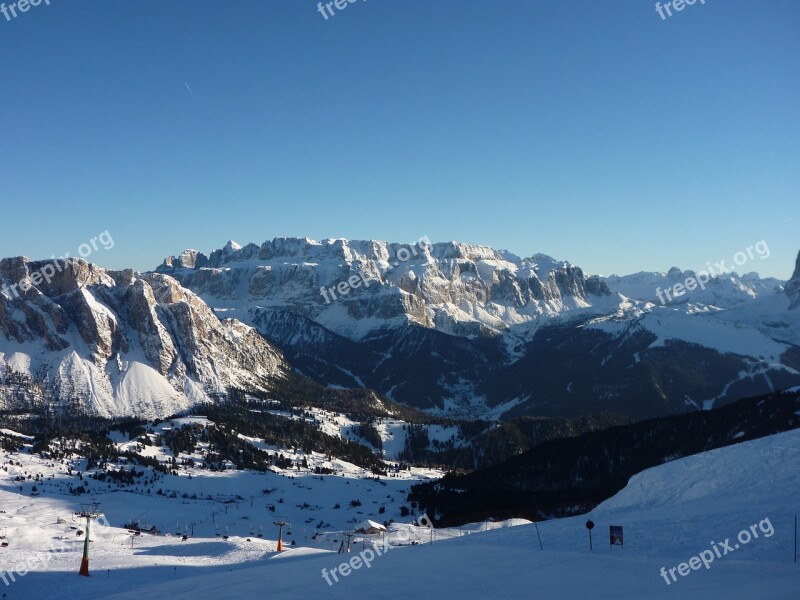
(592, 131)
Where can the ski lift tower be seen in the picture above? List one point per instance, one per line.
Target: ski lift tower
(280, 523)
(89, 512)
(349, 535)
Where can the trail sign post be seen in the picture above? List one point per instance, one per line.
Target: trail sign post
(590, 526)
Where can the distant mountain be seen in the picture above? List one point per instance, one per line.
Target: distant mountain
(454, 329)
(471, 331)
(446, 287)
(116, 343)
(723, 292)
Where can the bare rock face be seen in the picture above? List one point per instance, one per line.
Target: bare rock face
(155, 339)
(460, 289)
(123, 343)
(793, 286)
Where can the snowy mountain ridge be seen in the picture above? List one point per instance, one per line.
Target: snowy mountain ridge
(117, 343)
(433, 324)
(458, 329)
(460, 289)
(721, 291)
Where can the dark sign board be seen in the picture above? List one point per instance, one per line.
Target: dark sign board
(616, 535)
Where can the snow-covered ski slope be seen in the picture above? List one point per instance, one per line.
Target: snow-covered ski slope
(670, 514)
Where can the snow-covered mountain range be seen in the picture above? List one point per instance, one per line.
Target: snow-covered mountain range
(464, 329)
(452, 328)
(459, 289)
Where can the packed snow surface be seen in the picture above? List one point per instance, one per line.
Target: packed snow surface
(670, 514)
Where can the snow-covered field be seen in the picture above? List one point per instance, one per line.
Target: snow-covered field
(670, 514)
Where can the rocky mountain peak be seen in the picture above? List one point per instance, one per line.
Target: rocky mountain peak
(120, 342)
(793, 286)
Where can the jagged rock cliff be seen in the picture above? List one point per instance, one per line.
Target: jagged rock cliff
(122, 343)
